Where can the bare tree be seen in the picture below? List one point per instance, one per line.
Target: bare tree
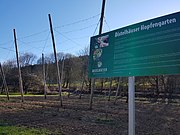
(27, 59)
(9, 64)
(84, 52)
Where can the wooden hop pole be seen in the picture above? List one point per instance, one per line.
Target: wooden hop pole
(56, 60)
(110, 89)
(117, 90)
(44, 76)
(62, 70)
(4, 81)
(100, 31)
(19, 69)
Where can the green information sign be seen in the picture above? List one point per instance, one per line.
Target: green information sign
(148, 48)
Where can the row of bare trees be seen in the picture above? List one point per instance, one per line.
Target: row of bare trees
(74, 72)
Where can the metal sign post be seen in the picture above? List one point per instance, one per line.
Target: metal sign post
(131, 105)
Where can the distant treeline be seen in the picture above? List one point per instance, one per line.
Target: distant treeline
(75, 74)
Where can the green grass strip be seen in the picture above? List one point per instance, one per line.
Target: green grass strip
(13, 130)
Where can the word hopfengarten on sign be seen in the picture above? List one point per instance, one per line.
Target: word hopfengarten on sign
(148, 48)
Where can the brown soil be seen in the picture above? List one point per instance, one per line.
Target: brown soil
(75, 118)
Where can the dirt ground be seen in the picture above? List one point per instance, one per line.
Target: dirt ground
(75, 118)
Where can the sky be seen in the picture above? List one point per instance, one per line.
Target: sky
(74, 22)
